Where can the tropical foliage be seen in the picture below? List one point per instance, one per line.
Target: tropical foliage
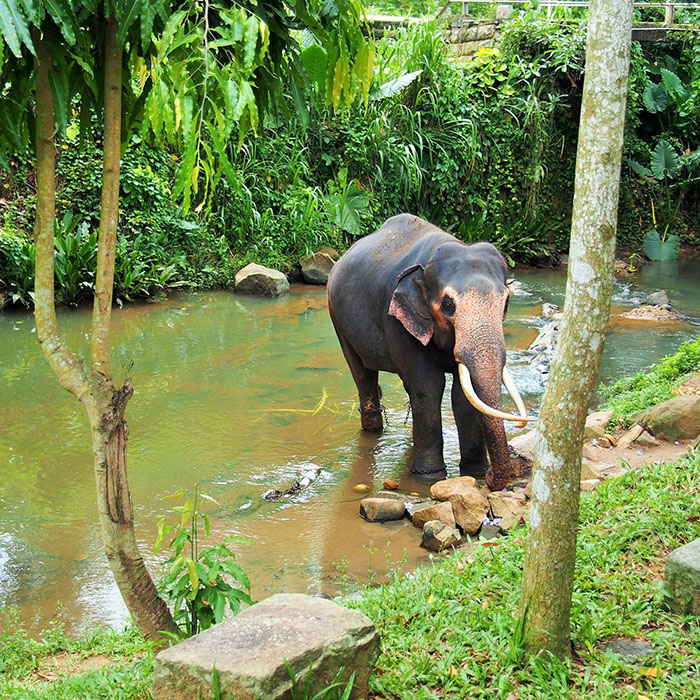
(483, 149)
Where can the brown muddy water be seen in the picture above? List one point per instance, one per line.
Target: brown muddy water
(242, 394)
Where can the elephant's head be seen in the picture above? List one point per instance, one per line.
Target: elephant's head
(459, 300)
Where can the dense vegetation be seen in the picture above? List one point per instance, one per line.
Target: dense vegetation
(628, 525)
(628, 395)
(485, 149)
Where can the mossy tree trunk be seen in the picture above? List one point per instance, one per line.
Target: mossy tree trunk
(551, 547)
(94, 386)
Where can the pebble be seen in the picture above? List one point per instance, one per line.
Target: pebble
(360, 488)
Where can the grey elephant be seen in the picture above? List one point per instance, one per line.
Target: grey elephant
(413, 300)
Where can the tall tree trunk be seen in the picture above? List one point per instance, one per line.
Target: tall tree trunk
(94, 388)
(551, 547)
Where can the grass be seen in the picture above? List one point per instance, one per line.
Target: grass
(628, 395)
(450, 630)
(54, 666)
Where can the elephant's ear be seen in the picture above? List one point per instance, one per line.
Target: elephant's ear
(408, 305)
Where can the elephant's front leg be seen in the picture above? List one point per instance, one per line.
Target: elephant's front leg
(425, 385)
(470, 428)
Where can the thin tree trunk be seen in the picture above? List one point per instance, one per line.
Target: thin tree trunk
(95, 389)
(551, 548)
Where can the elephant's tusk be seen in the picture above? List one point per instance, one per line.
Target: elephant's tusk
(515, 395)
(468, 388)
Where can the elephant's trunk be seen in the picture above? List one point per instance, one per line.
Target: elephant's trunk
(487, 381)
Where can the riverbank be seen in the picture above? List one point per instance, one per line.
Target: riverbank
(448, 630)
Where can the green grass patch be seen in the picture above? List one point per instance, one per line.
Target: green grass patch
(104, 665)
(628, 395)
(450, 631)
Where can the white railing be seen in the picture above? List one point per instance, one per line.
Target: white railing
(549, 4)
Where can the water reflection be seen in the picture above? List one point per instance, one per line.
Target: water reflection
(226, 393)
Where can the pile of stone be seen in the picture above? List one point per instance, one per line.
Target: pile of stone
(656, 307)
(457, 509)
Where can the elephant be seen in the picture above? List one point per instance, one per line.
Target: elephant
(413, 300)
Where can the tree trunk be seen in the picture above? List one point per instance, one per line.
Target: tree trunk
(95, 389)
(551, 548)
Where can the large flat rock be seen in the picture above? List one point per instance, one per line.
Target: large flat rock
(683, 577)
(256, 279)
(675, 419)
(249, 652)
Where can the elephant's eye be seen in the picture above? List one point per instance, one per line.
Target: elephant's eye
(447, 306)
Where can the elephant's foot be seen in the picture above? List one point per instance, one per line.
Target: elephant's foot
(429, 472)
(497, 481)
(476, 469)
(429, 477)
(371, 418)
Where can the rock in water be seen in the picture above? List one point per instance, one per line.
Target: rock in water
(250, 652)
(390, 484)
(442, 490)
(440, 511)
(379, 510)
(316, 267)
(683, 577)
(658, 298)
(675, 419)
(469, 505)
(256, 279)
(438, 536)
(651, 313)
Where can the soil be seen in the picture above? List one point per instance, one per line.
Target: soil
(66, 663)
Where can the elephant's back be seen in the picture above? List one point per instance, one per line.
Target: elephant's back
(379, 258)
(362, 282)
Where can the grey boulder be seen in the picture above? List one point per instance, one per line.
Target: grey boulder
(256, 279)
(311, 634)
(675, 419)
(316, 267)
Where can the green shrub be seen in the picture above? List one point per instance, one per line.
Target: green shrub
(629, 395)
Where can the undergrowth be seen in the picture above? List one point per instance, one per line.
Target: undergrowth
(38, 666)
(450, 631)
(628, 395)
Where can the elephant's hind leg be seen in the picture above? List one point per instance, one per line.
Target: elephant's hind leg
(367, 381)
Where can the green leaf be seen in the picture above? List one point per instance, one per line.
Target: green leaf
(394, 87)
(147, 18)
(299, 99)
(128, 13)
(14, 28)
(169, 30)
(64, 17)
(664, 161)
(315, 62)
(340, 80)
(60, 89)
(194, 579)
(672, 82)
(639, 168)
(659, 250)
(218, 605)
(655, 98)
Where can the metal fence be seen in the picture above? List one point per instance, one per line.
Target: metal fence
(668, 7)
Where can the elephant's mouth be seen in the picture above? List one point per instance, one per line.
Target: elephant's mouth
(469, 391)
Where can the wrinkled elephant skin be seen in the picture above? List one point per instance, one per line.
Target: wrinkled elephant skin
(413, 300)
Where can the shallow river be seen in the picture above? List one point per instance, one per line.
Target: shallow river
(229, 391)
